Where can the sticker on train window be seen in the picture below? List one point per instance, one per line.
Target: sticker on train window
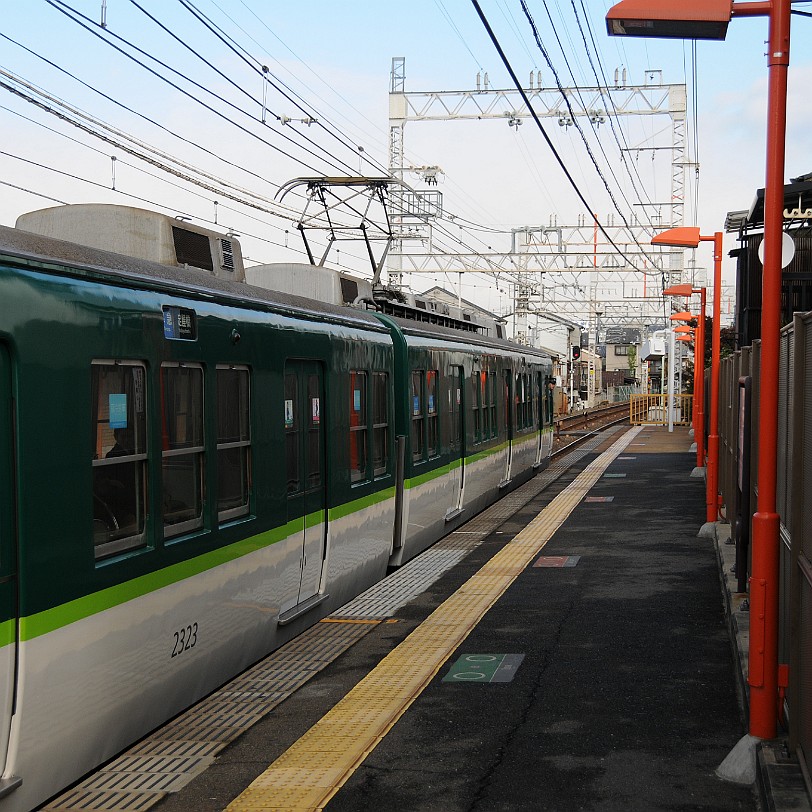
(180, 324)
(314, 410)
(288, 414)
(416, 404)
(118, 411)
(356, 400)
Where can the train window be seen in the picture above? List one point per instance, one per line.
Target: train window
(484, 397)
(522, 397)
(233, 442)
(119, 455)
(476, 402)
(431, 412)
(491, 424)
(418, 421)
(294, 484)
(380, 423)
(313, 431)
(182, 447)
(358, 426)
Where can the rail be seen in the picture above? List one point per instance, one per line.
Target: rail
(584, 417)
(591, 421)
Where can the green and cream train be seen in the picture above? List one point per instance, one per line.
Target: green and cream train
(194, 468)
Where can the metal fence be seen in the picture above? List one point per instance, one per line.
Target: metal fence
(738, 468)
(652, 410)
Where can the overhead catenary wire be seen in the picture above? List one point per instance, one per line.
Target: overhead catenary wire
(68, 11)
(256, 66)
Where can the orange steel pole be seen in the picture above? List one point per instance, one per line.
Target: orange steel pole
(699, 385)
(712, 471)
(764, 578)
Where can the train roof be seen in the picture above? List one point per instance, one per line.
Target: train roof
(128, 271)
(437, 331)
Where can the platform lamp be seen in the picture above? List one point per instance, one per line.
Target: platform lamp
(699, 367)
(708, 19)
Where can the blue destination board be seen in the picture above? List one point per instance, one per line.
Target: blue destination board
(180, 324)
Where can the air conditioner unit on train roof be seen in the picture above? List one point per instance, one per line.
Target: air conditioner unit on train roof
(140, 234)
(315, 282)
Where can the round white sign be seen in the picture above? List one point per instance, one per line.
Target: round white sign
(787, 249)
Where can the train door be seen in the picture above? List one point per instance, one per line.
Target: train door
(456, 411)
(8, 561)
(307, 487)
(540, 415)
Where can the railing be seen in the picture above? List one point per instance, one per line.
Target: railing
(652, 410)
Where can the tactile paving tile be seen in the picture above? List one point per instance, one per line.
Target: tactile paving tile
(83, 799)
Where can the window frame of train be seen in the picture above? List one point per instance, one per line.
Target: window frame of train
(124, 460)
(190, 516)
(483, 404)
(424, 389)
(524, 417)
(369, 417)
(233, 381)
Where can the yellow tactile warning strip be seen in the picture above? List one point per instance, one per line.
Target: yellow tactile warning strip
(313, 769)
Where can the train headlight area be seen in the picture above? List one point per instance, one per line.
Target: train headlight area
(473, 679)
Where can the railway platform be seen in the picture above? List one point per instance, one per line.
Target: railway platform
(567, 649)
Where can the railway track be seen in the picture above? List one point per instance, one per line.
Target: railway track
(573, 429)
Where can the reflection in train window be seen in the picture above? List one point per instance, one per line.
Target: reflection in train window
(476, 407)
(119, 455)
(358, 426)
(431, 411)
(418, 422)
(233, 442)
(182, 447)
(294, 484)
(313, 432)
(380, 423)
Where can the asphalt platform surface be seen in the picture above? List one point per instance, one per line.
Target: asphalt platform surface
(623, 696)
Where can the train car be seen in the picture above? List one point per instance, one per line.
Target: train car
(192, 470)
(476, 421)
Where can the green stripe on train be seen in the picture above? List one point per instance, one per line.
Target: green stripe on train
(88, 605)
(73, 611)
(7, 632)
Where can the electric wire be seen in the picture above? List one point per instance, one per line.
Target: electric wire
(546, 137)
(256, 66)
(68, 11)
(218, 155)
(578, 127)
(609, 114)
(137, 148)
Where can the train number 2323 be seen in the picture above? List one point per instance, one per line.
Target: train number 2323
(184, 639)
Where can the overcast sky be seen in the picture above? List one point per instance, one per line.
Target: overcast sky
(336, 59)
